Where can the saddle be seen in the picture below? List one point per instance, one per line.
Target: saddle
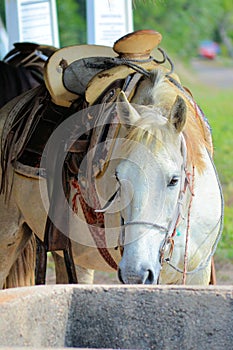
(75, 78)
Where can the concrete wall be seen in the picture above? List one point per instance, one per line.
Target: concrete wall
(126, 317)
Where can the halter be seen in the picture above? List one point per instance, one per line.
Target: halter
(170, 230)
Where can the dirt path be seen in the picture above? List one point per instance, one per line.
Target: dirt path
(224, 274)
(213, 74)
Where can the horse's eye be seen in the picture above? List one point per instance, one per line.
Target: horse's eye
(174, 181)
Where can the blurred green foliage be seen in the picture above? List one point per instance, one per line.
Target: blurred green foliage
(2, 10)
(72, 22)
(218, 107)
(183, 23)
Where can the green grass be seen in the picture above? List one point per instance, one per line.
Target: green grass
(217, 105)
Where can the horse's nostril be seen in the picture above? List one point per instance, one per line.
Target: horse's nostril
(139, 277)
(150, 277)
(120, 276)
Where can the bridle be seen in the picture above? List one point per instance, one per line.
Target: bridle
(170, 230)
(187, 181)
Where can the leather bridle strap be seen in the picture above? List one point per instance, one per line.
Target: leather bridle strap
(171, 229)
(146, 223)
(129, 88)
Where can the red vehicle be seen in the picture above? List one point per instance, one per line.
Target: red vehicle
(208, 49)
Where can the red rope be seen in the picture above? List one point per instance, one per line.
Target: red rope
(95, 223)
(191, 187)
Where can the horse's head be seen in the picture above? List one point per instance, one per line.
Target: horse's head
(150, 177)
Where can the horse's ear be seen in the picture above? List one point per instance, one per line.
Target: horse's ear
(127, 113)
(178, 113)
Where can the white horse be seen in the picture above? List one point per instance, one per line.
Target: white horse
(165, 212)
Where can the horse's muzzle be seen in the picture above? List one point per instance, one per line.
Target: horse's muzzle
(140, 276)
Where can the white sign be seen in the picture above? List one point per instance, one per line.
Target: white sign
(3, 40)
(108, 20)
(32, 21)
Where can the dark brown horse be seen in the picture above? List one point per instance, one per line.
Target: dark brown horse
(22, 69)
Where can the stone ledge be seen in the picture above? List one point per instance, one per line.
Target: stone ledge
(125, 317)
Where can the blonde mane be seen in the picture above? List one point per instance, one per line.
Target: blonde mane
(158, 95)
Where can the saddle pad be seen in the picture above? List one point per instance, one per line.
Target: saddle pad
(60, 60)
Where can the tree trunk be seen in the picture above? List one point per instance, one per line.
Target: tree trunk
(225, 39)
